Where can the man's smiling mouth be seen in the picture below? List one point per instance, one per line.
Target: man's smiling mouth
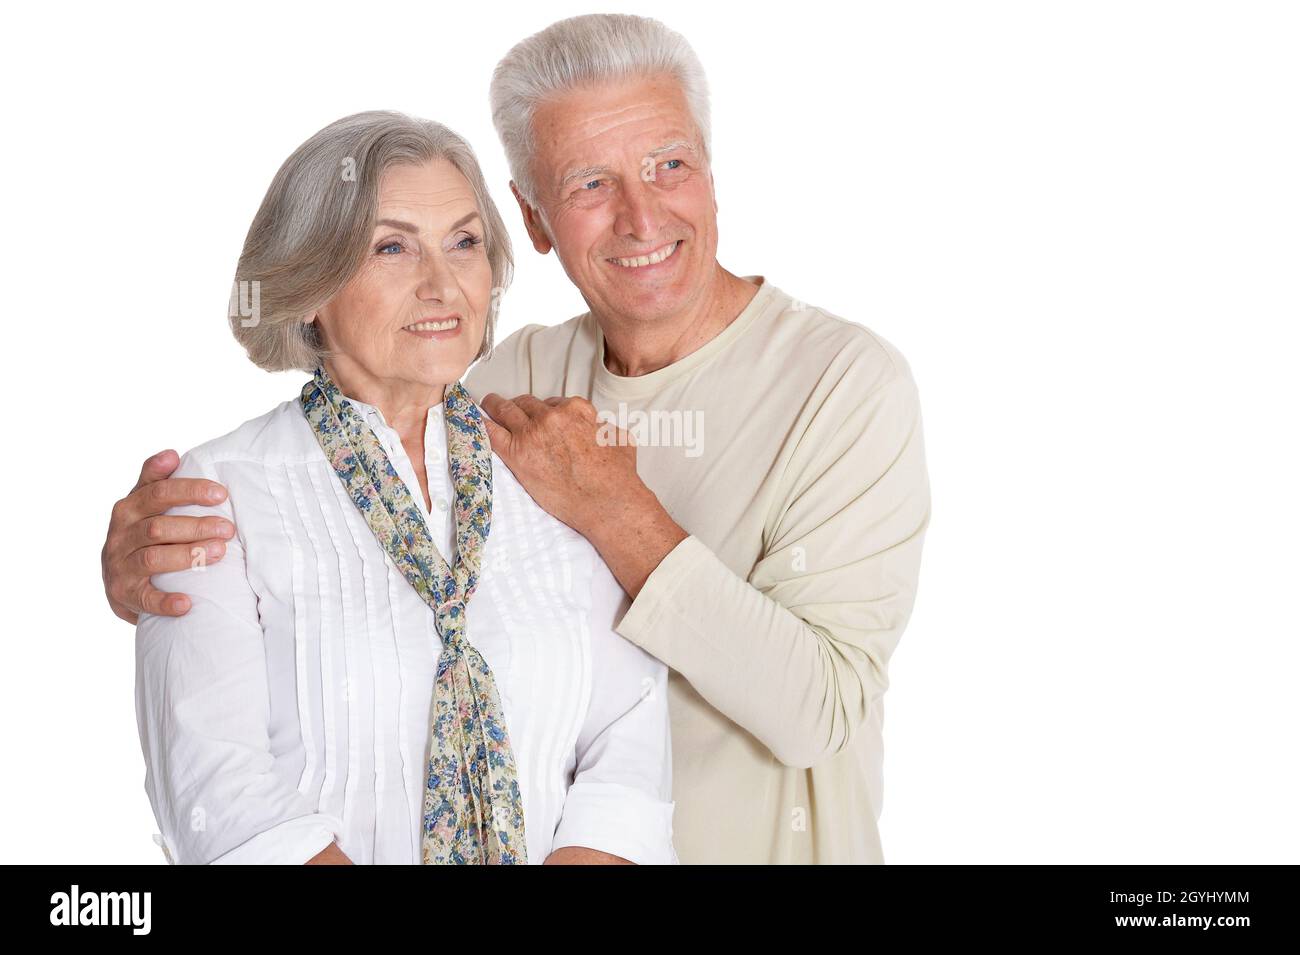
(652, 258)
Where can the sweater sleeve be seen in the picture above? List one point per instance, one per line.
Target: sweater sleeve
(798, 652)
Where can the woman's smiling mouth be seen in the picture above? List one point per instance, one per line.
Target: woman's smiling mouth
(442, 328)
(651, 258)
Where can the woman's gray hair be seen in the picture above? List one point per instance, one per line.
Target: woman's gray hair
(579, 51)
(312, 231)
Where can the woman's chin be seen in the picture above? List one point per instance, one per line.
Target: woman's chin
(442, 372)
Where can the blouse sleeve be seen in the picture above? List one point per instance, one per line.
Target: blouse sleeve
(203, 710)
(620, 800)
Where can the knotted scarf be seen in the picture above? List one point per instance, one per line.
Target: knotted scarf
(473, 810)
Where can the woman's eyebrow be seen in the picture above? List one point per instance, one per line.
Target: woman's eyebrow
(397, 224)
(464, 219)
(408, 227)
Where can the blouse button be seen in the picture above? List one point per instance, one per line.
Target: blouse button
(440, 503)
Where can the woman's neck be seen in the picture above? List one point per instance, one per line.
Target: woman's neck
(404, 405)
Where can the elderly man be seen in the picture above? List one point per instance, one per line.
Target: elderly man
(750, 467)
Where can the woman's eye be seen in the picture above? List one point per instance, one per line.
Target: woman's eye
(468, 242)
(389, 245)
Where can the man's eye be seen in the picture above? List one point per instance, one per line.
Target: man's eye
(670, 162)
(590, 184)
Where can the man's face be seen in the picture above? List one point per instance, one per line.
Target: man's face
(627, 197)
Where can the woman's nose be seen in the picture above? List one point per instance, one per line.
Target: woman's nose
(437, 282)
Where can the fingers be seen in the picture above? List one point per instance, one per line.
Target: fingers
(516, 415)
(136, 567)
(498, 438)
(153, 600)
(142, 540)
(175, 529)
(505, 412)
(532, 406)
(156, 468)
(130, 590)
(572, 403)
(584, 407)
(159, 496)
(539, 408)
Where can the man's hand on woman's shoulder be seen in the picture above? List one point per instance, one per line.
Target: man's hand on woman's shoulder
(143, 540)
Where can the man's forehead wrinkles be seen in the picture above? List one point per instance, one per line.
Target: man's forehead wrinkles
(603, 123)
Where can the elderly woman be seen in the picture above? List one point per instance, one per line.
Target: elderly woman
(402, 658)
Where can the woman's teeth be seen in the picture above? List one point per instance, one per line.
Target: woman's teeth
(434, 326)
(654, 258)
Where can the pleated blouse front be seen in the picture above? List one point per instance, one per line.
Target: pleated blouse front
(289, 708)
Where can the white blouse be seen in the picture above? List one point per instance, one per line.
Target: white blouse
(290, 706)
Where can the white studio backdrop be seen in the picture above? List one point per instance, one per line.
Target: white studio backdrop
(1078, 221)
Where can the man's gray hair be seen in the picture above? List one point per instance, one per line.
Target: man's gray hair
(312, 231)
(580, 51)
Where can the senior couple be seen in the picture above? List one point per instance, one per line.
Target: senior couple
(406, 618)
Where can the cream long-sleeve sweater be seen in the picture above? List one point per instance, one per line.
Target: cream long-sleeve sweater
(790, 448)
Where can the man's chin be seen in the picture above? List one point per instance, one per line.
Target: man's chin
(648, 303)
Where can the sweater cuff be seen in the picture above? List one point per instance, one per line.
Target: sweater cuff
(656, 595)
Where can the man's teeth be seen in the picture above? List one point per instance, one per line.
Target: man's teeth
(654, 258)
(434, 326)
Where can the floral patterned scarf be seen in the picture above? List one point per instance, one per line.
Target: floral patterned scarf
(473, 810)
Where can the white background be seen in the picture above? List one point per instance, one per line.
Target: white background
(1079, 222)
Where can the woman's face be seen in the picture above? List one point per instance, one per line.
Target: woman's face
(414, 314)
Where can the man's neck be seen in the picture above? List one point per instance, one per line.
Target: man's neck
(635, 348)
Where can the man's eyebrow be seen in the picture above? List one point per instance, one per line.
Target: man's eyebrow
(669, 147)
(583, 173)
(408, 227)
(597, 170)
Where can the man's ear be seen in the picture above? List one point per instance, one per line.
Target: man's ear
(532, 222)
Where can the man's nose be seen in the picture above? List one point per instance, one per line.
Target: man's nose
(640, 212)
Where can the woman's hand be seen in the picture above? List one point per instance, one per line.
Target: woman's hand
(330, 855)
(581, 855)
